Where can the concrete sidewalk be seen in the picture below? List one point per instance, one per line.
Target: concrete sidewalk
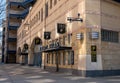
(14, 73)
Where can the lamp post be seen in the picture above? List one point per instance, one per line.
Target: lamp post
(79, 36)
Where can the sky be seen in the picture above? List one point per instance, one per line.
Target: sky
(2, 15)
(2, 10)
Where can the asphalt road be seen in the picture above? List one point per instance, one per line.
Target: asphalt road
(15, 73)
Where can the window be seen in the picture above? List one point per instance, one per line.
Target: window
(60, 41)
(93, 53)
(69, 58)
(50, 4)
(52, 58)
(59, 58)
(37, 41)
(34, 20)
(46, 9)
(109, 36)
(64, 58)
(55, 2)
(72, 57)
(69, 39)
(64, 40)
(42, 14)
(31, 22)
(39, 15)
(47, 59)
(36, 17)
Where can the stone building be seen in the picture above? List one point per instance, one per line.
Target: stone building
(81, 37)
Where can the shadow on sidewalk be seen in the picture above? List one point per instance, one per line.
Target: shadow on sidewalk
(25, 74)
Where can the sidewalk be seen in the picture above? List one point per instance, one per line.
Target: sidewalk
(14, 73)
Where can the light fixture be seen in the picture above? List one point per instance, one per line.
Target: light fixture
(79, 36)
(94, 35)
(71, 19)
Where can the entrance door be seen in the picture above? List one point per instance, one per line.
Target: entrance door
(26, 59)
(37, 59)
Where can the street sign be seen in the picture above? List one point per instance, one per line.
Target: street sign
(61, 28)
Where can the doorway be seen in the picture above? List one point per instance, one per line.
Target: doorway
(37, 55)
(37, 59)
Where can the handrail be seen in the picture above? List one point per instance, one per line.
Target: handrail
(18, 12)
(17, 0)
(20, 1)
(14, 24)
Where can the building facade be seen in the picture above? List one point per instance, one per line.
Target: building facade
(80, 37)
(3, 39)
(16, 11)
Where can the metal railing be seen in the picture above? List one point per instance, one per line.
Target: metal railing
(12, 47)
(14, 24)
(21, 2)
(11, 51)
(18, 12)
(12, 39)
(17, 0)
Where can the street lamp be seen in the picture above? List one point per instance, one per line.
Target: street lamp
(71, 19)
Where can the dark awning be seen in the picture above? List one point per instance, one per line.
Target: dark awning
(57, 49)
(23, 53)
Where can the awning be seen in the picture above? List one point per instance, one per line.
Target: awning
(23, 53)
(57, 49)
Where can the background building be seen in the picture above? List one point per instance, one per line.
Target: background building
(3, 39)
(81, 37)
(16, 11)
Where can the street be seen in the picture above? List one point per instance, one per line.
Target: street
(14, 73)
